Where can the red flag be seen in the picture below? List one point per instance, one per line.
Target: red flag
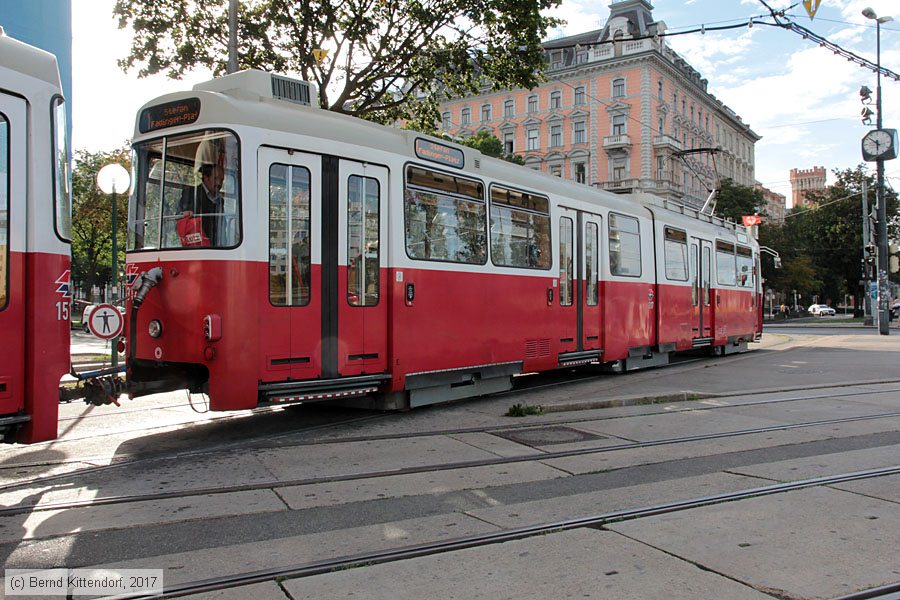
(751, 220)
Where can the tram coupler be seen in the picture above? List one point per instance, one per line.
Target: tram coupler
(96, 387)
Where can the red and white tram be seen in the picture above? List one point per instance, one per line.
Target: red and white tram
(285, 253)
(35, 224)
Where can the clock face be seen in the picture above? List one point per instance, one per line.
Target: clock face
(876, 142)
(879, 144)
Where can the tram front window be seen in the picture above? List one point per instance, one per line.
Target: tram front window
(186, 193)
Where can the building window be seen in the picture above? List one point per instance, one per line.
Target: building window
(659, 90)
(618, 88)
(485, 113)
(692, 113)
(579, 95)
(660, 167)
(707, 122)
(684, 107)
(556, 136)
(618, 125)
(465, 116)
(532, 137)
(555, 99)
(556, 60)
(508, 108)
(508, 142)
(661, 123)
(579, 135)
(581, 57)
(579, 172)
(556, 170)
(532, 104)
(445, 120)
(618, 172)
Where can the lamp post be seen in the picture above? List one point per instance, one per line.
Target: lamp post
(111, 179)
(881, 229)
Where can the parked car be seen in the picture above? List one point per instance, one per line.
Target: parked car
(821, 310)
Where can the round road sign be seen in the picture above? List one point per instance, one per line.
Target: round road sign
(106, 321)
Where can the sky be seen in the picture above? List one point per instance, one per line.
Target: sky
(802, 99)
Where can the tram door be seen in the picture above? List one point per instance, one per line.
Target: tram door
(12, 253)
(361, 303)
(579, 288)
(701, 273)
(326, 219)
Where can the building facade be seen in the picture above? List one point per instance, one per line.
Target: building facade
(620, 111)
(774, 204)
(806, 180)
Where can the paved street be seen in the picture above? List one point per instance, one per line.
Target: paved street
(211, 495)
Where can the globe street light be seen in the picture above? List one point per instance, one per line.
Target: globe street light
(112, 179)
(883, 285)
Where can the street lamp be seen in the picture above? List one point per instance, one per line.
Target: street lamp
(112, 179)
(883, 286)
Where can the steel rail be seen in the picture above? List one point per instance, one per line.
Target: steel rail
(128, 499)
(427, 549)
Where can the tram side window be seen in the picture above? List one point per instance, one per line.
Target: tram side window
(445, 217)
(624, 246)
(592, 262)
(520, 229)
(362, 241)
(4, 211)
(744, 267)
(289, 235)
(566, 262)
(676, 255)
(725, 266)
(186, 192)
(62, 175)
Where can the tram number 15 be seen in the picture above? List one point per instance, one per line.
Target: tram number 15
(62, 311)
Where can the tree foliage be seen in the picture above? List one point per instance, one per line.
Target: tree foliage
(92, 219)
(735, 201)
(387, 59)
(490, 145)
(821, 245)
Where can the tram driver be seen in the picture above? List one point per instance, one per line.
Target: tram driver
(204, 201)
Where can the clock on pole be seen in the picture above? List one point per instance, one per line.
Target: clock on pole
(880, 144)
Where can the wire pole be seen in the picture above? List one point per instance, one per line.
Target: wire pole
(232, 36)
(884, 324)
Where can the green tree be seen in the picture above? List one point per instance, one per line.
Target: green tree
(827, 235)
(735, 201)
(387, 59)
(489, 145)
(92, 218)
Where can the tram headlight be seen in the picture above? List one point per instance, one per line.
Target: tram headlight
(154, 328)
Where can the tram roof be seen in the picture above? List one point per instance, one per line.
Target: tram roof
(246, 99)
(28, 60)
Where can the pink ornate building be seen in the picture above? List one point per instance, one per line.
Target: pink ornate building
(774, 205)
(618, 107)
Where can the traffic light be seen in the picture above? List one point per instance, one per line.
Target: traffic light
(869, 260)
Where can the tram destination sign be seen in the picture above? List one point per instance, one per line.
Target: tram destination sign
(439, 153)
(170, 114)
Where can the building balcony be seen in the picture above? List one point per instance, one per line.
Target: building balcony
(667, 141)
(620, 186)
(616, 141)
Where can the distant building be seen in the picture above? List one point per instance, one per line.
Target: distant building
(615, 113)
(806, 180)
(774, 204)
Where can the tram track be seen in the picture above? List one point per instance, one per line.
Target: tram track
(597, 521)
(265, 441)
(177, 494)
